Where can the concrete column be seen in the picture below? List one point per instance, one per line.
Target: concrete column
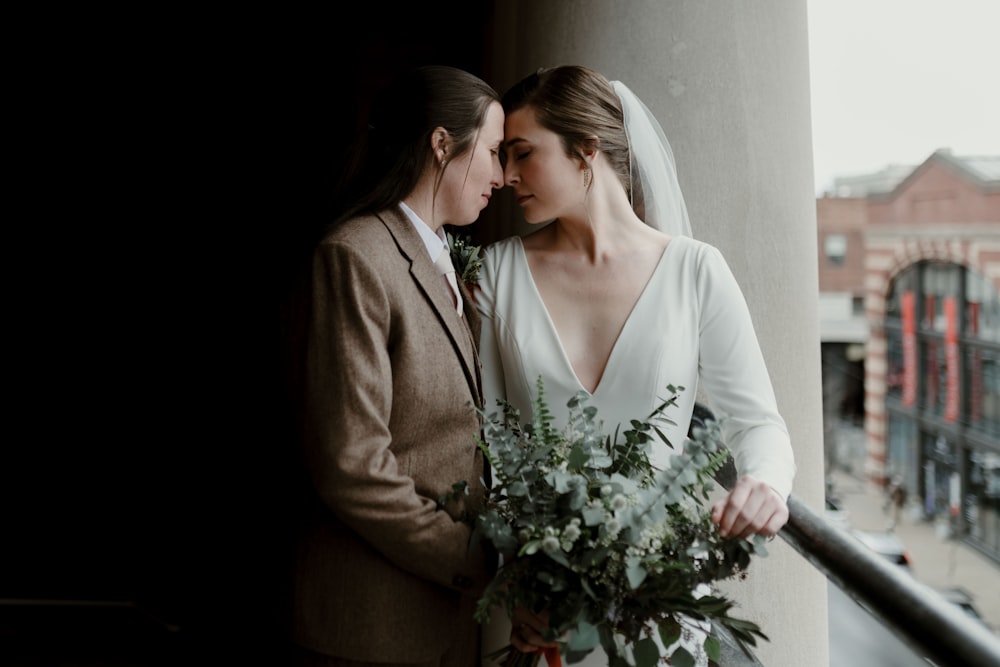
(730, 84)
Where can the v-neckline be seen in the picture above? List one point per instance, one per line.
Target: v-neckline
(614, 347)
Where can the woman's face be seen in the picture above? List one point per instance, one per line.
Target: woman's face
(547, 183)
(469, 180)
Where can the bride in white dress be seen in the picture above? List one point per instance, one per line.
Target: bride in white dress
(616, 298)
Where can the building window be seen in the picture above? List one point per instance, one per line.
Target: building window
(942, 333)
(836, 248)
(983, 395)
(982, 308)
(904, 283)
(858, 305)
(904, 458)
(940, 283)
(982, 505)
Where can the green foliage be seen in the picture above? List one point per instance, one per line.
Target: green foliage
(466, 258)
(613, 547)
(458, 489)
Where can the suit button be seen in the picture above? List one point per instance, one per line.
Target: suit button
(461, 582)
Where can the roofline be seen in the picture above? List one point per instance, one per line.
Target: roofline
(951, 162)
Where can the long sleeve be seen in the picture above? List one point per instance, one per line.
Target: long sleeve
(735, 377)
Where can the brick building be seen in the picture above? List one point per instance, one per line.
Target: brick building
(909, 273)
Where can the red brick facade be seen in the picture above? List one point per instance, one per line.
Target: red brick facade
(939, 212)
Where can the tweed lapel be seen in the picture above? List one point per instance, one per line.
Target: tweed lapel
(473, 324)
(430, 282)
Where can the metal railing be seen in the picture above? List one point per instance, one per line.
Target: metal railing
(930, 625)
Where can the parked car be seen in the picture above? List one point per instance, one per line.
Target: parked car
(836, 514)
(962, 599)
(887, 545)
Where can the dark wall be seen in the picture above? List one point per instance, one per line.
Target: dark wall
(328, 82)
(188, 163)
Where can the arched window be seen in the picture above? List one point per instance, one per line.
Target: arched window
(981, 329)
(942, 332)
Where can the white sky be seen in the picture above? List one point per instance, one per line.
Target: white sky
(894, 80)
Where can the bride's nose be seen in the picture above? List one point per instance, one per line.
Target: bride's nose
(510, 175)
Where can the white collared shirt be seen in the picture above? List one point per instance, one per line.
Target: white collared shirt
(434, 241)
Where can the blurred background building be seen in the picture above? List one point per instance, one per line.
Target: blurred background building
(909, 271)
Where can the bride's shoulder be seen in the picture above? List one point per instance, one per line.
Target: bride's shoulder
(690, 245)
(503, 246)
(699, 256)
(503, 252)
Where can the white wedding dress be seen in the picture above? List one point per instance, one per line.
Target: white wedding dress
(690, 323)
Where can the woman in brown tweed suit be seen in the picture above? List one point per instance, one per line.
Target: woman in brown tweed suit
(385, 573)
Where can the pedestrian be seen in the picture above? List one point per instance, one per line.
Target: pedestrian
(895, 501)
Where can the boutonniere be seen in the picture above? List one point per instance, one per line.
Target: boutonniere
(466, 258)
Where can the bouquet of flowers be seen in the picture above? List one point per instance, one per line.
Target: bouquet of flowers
(615, 549)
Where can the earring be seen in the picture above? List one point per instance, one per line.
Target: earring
(586, 178)
(444, 162)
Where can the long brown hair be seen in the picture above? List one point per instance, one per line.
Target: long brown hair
(388, 158)
(578, 104)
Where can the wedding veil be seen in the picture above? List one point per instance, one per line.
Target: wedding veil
(656, 192)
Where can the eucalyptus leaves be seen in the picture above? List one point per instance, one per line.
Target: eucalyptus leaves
(466, 258)
(621, 554)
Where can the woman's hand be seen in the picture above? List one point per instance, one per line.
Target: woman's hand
(751, 507)
(528, 630)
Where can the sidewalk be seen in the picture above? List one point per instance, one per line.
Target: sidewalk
(936, 561)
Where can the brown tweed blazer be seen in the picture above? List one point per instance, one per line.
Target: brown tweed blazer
(392, 377)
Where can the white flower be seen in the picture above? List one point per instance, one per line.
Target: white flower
(619, 502)
(572, 531)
